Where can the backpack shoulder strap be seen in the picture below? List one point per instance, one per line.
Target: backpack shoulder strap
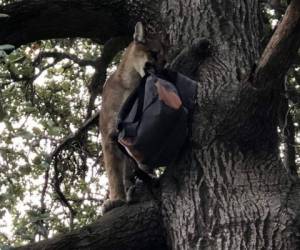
(137, 94)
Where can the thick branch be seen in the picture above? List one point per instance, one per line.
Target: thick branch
(188, 60)
(129, 227)
(281, 49)
(33, 20)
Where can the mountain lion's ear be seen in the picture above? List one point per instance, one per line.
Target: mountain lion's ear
(139, 35)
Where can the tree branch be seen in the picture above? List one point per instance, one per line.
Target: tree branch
(110, 49)
(287, 127)
(26, 21)
(31, 20)
(56, 185)
(289, 143)
(43, 207)
(136, 226)
(60, 56)
(188, 60)
(72, 137)
(281, 50)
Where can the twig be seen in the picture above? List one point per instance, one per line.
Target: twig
(72, 137)
(60, 194)
(43, 204)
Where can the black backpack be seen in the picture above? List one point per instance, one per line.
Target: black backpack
(153, 121)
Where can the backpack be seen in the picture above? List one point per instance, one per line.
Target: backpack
(153, 122)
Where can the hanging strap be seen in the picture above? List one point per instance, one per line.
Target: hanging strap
(140, 96)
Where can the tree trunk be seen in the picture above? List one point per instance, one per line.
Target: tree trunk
(228, 189)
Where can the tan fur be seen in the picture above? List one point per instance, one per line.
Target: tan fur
(117, 88)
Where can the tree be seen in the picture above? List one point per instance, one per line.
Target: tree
(229, 188)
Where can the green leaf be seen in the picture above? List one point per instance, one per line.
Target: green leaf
(25, 134)
(37, 160)
(37, 131)
(25, 170)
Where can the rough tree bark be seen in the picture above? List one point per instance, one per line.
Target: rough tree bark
(231, 189)
(134, 227)
(228, 189)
